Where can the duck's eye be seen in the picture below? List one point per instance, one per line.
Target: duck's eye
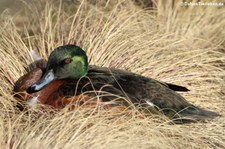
(67, 60)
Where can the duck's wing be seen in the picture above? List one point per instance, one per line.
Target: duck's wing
(174, 87)
(139, 87)
(152, 92)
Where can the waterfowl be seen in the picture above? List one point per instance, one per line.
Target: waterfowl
(68, 74)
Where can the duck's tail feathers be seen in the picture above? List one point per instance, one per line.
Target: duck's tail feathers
(194, 114)
(177, 87)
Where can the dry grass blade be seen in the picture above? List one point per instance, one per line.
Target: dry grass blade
(182, 45)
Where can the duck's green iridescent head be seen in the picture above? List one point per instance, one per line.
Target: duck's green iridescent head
(65, 62)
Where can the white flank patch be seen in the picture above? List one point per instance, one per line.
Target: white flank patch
(35, 55)
(150, 103)
(33, 101)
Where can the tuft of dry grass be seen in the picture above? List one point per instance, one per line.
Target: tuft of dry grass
(171, 43)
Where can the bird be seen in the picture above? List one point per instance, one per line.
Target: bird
(68, 75)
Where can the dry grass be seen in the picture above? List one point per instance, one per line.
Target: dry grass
(182, 45)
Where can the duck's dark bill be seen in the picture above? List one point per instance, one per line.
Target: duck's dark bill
(43, 82)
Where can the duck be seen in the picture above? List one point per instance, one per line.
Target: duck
(68, 77)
